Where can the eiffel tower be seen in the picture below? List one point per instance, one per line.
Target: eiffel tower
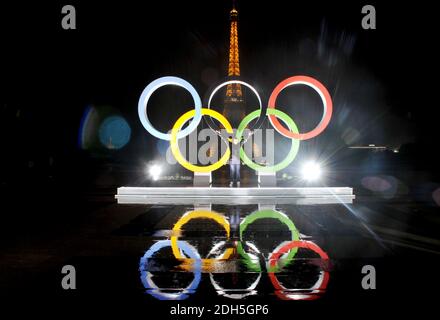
(234, 105)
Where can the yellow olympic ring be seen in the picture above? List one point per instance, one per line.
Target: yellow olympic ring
(220, 219)
(175, 146)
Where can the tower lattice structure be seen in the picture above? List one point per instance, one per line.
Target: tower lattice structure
(234, 93)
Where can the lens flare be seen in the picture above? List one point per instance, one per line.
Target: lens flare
(114, 132)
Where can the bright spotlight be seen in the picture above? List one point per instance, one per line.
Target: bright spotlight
(311, 171)
(154, 171)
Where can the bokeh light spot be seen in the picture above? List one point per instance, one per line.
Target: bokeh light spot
(114, 132)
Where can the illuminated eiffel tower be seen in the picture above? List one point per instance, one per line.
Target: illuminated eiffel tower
(234, 106)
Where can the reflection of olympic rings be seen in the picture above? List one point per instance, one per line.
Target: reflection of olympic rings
(250, 259)
(153, 86)
(313, 292)
(175, 146)
(269, 110)
(235, 293)
(326, 101)
(147, 277)
(263, 214)
(280, 257)
(232, 293)
(220, 219)
(293, 149)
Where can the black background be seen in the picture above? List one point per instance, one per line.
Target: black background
(51, 75)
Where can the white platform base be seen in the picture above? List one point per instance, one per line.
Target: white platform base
(197, 195)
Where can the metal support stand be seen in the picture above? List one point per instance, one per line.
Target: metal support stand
(267, 179)
(202, 179)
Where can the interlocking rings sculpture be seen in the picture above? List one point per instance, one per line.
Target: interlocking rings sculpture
(191, 261)
(198, 112)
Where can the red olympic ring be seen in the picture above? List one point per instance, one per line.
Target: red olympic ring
(327, 104)
(319, 286)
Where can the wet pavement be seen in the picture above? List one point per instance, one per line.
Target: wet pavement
(274, 255)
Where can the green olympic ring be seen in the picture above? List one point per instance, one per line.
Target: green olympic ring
(293, 149)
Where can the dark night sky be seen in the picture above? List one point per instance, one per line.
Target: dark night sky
(380, 78)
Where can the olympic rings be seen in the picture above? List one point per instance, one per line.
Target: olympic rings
(319, 286)
(262, 214)
(146, 276)
(293, 149)
(264, 110)
(175, 146)
(220, 219)
(326, 102)
(153, 86)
